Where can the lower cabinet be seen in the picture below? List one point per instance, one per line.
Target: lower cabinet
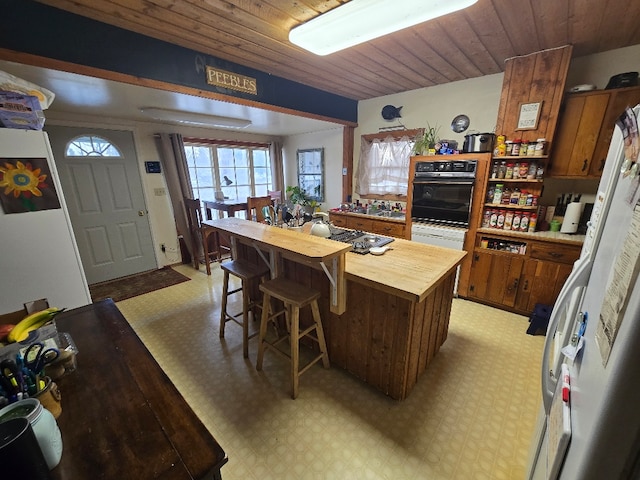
(523, 273)
(381, 226)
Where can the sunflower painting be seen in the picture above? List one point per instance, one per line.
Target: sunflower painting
(26, 185)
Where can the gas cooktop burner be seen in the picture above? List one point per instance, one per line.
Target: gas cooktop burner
(360, 241)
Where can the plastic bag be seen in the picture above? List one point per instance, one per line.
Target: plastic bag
(14, 84)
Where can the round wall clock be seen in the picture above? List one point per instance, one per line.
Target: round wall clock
(460, 123)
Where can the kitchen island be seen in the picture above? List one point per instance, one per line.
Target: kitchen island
(394, 308)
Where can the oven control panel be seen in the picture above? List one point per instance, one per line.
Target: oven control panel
(460, 168)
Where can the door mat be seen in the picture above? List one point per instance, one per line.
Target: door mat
(134, 285)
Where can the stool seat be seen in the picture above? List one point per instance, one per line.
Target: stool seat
(294, 296)
(248, 273)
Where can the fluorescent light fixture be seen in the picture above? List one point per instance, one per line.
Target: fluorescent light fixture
(195, 119)
(359, 21)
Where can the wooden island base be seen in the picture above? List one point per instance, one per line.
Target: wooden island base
(385, 338)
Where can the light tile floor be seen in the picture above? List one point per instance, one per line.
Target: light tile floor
(471, 415)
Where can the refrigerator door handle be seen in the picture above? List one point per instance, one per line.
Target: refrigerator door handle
(578, 278)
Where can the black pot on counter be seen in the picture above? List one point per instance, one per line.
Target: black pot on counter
(478, 142)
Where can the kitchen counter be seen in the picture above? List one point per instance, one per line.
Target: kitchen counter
(547, 236)
(408, 269)
(395, 315)
(398, 217)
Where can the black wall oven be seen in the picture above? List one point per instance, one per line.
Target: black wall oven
(442, 192)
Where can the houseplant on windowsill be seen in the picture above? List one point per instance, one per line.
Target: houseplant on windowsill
(298, 196)
(427, 141)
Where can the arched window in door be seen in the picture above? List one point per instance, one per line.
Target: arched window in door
(92, 146)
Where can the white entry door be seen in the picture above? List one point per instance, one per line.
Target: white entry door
(103, 190)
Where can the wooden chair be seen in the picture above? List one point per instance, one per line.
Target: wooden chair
(254, 208)
(201, 235)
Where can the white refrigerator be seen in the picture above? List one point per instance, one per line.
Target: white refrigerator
(38, 253)
(590, 426)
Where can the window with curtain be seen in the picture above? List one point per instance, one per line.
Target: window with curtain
(239, 170)
(383, 167)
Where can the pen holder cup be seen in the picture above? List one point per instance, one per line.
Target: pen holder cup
(50, 397)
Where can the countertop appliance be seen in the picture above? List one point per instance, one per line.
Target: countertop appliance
(478, 142)
(360, 241)
(590, 426)
(440, 236)
(442, 191)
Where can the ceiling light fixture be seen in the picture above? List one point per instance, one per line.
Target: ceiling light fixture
(358, 21)
(195, 119)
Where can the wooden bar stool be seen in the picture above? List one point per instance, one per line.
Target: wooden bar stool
(295, 297)
(248, 273)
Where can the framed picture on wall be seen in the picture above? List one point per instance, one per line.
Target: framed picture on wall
(529, 116)
(311, 172)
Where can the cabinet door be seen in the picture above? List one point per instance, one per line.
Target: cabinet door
(577, 135)
(541, 282)
(495, 277)
(620, 99)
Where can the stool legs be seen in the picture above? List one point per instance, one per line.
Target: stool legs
(246, 304)
(292, 318)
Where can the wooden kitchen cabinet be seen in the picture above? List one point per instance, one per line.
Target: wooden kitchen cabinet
(584, 131)
(368, 223)
(517, 281)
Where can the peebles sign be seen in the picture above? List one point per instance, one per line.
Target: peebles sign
(234, 81)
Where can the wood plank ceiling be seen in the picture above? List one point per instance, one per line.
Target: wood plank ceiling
(466, 44)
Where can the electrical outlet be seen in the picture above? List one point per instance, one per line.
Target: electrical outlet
(163, 247)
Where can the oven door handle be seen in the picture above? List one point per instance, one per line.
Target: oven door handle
(443, 182)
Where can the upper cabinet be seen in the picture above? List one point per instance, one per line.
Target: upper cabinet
(584, 131)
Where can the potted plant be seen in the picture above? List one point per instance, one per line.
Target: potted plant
(299, 196)
(427, 141)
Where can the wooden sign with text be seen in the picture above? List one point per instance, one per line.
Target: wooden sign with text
(233, 81)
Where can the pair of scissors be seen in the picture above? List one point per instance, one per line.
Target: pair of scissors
(37, 356)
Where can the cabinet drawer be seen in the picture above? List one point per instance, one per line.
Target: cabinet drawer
(361, 224)
(389, 229)
(338, 220)
(555, 252)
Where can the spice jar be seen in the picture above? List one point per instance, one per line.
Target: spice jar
(508, 220)
(509, 147)
(524, 169)
(531, 151)
(502, 169)
(524, 222)
(509, 172)
(486, 218)
(493, 219)
(531, 173)
(540, 146)
(497, 194)
(515, 223)
(532, 222)
(501, 215)
(524, 149)
(515, 149)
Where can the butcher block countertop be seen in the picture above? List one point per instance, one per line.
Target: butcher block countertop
(408, 269)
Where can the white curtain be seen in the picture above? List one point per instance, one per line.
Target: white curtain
(383, 167)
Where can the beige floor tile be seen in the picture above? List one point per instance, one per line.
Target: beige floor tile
(470, 416)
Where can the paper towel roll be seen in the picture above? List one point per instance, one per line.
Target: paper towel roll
(572, 218)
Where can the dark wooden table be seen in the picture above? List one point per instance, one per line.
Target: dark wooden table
(230, 206)
(121, 415)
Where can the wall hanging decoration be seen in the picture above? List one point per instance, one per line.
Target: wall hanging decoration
(26, 185)
(529, 115)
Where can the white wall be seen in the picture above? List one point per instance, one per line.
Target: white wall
(331, 141)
